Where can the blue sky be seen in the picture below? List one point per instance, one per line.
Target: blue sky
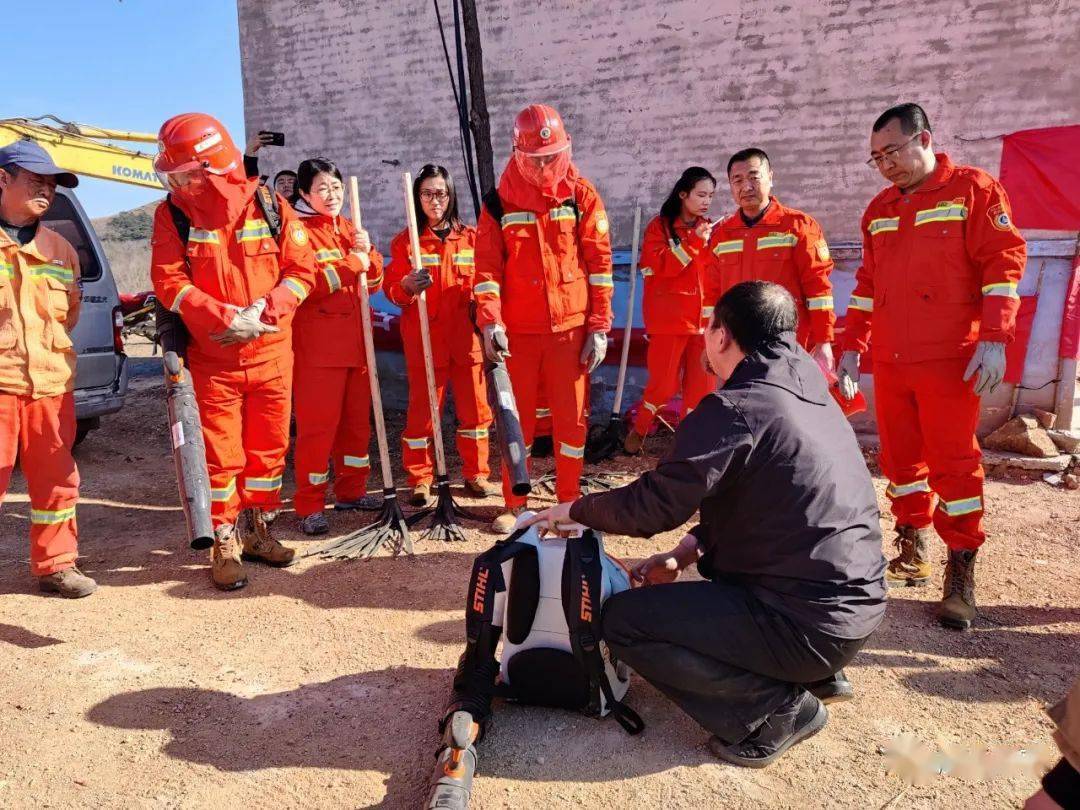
(122, 65)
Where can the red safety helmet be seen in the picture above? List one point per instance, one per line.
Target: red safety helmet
(195, 141)
(539, 130)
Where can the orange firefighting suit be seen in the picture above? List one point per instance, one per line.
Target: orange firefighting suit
(940, 270)
(680, 286)
(457, 354)
(243, 390)
(39, 306)
(331, 391)
(785, 246)
(544, 272)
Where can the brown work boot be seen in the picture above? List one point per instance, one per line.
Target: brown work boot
(912, 565)
(480, 487)
(71, 583)
(504, 523)
(259, 543)
(421, 495)
(633, 443)
(226, 570)
(957, 608)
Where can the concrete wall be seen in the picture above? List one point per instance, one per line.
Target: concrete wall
(650, 87)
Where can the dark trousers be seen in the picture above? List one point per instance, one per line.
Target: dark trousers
(723, 656)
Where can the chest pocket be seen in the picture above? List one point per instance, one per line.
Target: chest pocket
(774, 258)
(464, 262)
(55, 291)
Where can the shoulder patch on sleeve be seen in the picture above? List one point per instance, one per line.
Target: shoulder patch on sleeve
(298, 234)
(822, 249)
(999, 217)
(602, 223)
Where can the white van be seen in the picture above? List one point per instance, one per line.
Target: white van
(101, 378)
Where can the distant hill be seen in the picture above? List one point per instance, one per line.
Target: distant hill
(126, 239)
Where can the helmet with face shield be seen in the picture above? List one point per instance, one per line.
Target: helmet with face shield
(541, 146)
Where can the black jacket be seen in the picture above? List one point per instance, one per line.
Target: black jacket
(787, 505)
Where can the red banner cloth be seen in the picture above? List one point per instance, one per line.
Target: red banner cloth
(1070, 321)
(1041, 173)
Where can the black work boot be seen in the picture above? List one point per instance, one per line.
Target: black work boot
(911, 567)
(834, 689)
(792, 723)
(957, 609)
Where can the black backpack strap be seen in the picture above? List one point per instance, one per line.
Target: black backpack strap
(271, 209)
(180, 220)
(493, 203)
(582, 589)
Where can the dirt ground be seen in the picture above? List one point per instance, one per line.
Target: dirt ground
(320, 685)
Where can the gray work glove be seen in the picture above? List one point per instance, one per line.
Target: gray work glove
(416, 282)
(848, 375)
(246, 326)
(496, 346)
(989, 361)
(592, 353)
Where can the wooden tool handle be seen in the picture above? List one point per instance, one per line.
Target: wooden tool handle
(628, 328)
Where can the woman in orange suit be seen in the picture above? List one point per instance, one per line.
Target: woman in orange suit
(679, 293)
(448, 268)
(331, 393)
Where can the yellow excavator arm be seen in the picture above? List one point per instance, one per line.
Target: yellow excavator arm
(83, 149)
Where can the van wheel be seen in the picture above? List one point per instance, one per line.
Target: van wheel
(84, 426)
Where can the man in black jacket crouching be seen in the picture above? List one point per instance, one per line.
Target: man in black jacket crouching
(788, 541)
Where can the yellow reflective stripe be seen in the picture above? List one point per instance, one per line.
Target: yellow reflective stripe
(646, 271)
(963, 506)
(253, 231)
(780, 240)
(430, 259)
(858, 302)
(328, 255)
(64, 274)
(1006, 289)
(601, 280)
(820, 302)
(946, 213)
(203, 237)
(541, 413)
(731, 246)
(373, 283)
(518, 218)
(296, 288)
(883, 224)
(7, 270)
(263, 484)
(650, 407)
(333, 280)
(680, 253)
(465, 258)
(479, 433)
(562, 212)
(570, 451)
(318, 478)
(50, 517)
(486, 288)
(895, 490)
(180, 296)
(356, 461)
(415, 444)
(223, 493)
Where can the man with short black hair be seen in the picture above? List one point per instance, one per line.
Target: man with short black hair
(788, 540)
(766, 240)
(938, 283)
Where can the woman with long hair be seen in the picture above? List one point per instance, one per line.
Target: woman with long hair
(447, 269)
(331, 393)
(679, 287)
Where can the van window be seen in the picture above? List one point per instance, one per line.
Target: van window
(63, 219)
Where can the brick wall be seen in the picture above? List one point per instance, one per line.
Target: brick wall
(648, 88)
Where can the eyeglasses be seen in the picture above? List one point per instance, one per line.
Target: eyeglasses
(890, 154)
(432, 196)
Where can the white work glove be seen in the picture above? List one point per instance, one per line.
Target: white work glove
(592, 353)
(496, 346)
(848, 375)
(989, 361)
(416, 282)
(246, 325)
